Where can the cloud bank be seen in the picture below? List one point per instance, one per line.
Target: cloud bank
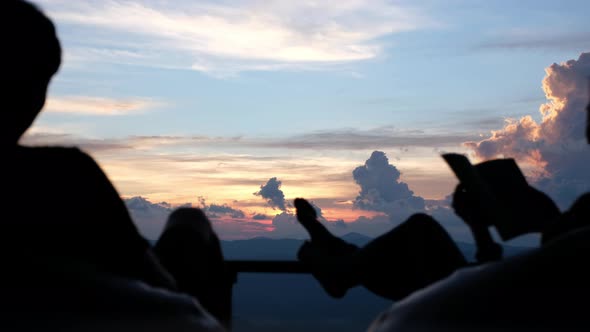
(553, 151)
(381, 191)
(334, 140)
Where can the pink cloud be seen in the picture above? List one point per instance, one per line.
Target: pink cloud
(553, 151)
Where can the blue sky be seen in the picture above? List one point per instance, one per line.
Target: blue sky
(302, 83)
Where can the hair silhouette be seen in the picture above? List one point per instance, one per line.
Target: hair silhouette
(31, 55)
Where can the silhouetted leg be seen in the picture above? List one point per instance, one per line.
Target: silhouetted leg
(411, 256)
(191, 252)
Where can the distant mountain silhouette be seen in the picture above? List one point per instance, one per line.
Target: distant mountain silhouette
(264, 248)
(275, 249)
(356, 238)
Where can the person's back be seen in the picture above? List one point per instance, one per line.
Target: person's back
(61, 202)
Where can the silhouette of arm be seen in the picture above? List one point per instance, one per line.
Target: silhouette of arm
(466, 207)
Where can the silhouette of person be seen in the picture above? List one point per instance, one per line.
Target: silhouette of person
(71, 256)
(542, 290)
(412, 255)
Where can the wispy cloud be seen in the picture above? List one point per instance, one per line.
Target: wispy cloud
(353, 139)
(100, 106)
(180, 167)
(222, 39)
(520, 39)
(337, 139)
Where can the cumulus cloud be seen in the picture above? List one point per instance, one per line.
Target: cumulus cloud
(222, 38)
(88, 105)
(271, 191)
(553, 151)
(383, 191)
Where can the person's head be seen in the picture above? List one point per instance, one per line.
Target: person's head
(30, 56)
(191, 220)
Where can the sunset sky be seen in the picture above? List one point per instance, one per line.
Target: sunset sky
(204, 102)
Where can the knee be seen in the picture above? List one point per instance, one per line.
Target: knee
(423, 223)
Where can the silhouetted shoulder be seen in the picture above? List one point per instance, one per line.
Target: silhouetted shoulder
(63, 200)
(581, 207)
(68, 160)
(542, 290)
(56, 164)
(576, 217)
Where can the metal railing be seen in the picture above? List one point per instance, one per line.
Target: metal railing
(257, 266)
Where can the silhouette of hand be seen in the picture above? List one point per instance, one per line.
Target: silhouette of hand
(533, 211)
(331, 258)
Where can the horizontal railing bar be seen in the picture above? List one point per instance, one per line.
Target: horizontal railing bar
(254, 266)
